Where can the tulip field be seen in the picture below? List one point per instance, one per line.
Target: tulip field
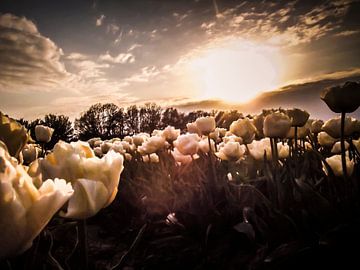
(277, 190)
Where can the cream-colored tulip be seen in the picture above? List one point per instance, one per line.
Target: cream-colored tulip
(298, 117)
(187, 144)
(325, 140)
(276, 125)
(193, 128)
(152, 158)
(95, 180)
(357, 144)
(336, 149)
(30, 153)
(152, 145)
(206, 124)
(336, 165)
(204, 145)
(245, 129)
(333, 126)
(182, 159)
(43, 133)
(231, 151)
(24, 209)
(316, 126)
(170, 133)
(257, 149)
(138, 139)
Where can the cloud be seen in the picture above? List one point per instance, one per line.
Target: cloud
(100, 20)
(122, 58)
(28, 59)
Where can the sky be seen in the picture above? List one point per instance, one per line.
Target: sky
(63, 56)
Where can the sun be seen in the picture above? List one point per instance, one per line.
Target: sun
(235, 71)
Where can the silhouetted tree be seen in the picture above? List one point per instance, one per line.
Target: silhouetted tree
(132, 120)
(225, 118)
(98, 121)
(150, 115)
(171, 117)
(62, 126)
(192, 116)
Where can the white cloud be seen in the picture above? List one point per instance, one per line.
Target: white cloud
(122, 58)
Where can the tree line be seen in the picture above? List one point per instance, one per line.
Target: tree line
(108, 120)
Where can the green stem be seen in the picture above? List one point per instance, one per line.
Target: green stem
(342, 144)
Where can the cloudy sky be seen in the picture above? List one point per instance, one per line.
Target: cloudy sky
(63, 56)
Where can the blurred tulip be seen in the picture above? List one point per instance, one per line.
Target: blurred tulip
(316, 126)
(30, 153)
(244, 129)
(336, 149)
(333, 126)
(13, 134)
(231, 151)
(298, 117)
(187, 144)
(170, 133)
(193, 128)
(152, 145)
(24, 209)
(180, 158)
(152, 158)
(276, 125)
(336, 165)
(325, 140)
(206, 124)
(43, 133)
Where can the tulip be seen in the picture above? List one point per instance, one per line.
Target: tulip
(231, 151)
(170, 134)
(181, 158)
(336, 149)
(206, 124)
(43, 133)
(325, 140)
(276, 125)
(335, 162)
(244, 129)
(204, 145)
(193, 128)
(128, 139)
(342, 98)
(316, 126)
(333, 126)
(187, 144)
(152, 145)
(298, 117)
(92, 141)
(138, 139)
(13, 135)
(25, 209)
(95, 180)
(105, 147)
(258, 122)
(30, 153)
(232, 138)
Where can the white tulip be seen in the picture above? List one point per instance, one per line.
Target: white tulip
(325, 140)
(170, 133)
(95, 180)
(24, 209)
(187, 144)
(276, 125)
(206, 124)
(43, 133)
(336, 165)
(245, 129)
(231, 151)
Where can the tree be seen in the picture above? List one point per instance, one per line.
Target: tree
(98, 121)
(132, 120)
(171, 117)
(150, 115)
(62, 126)
(224, 119)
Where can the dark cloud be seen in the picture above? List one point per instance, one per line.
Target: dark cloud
(27, 58)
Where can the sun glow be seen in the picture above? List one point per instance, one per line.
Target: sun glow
(236, 71)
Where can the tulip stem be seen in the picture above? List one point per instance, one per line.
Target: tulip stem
(342, 144)
(83, 243)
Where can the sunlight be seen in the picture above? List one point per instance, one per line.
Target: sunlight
(236, 71)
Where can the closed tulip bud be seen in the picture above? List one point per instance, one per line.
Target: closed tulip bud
(206, 124)
(92, 141)
(43, 133)
(336, 166)
(302, 132)
(128, 139)
(342, 98)
(232, 138)
(244, 129)
(30, 153)
(152, 145)
(298, 117)
(232, 151)
(105, 147)
(276, 125)
(258, 149)
(25, 209)
(258, 122)
(333, 127)
(325, 140)
(187, 144)
(95, 180)
(98, 152)
(182, 159)
(138, 139)
(316, 126)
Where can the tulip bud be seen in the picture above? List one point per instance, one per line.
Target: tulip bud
(244, 129)
(336, 165)
(30, 153)
(170, 133)
(298, 117)
(316, 126)
(342, 98)
(231, 151)
(206, 124)
(43, 133)
(276, 125)
(187, 144)
(333, 127)
(325, 139)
